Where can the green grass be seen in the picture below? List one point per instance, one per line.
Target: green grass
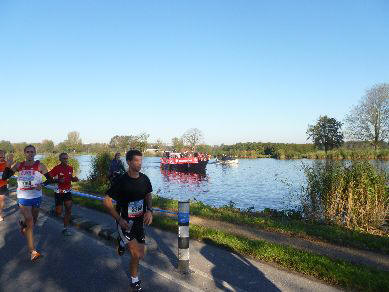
(334, 272)
(328, 233)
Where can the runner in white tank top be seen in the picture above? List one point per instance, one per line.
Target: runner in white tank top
(29, 193)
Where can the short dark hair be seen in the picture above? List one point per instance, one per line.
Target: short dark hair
(131, 153)
(29, 146)
(63, 153)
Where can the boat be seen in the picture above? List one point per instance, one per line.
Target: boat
(184, 162)
(227, 160)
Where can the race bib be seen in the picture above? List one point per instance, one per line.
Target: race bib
(29, 180)
(135, 209)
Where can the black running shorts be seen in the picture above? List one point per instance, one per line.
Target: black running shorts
(137, 231)
(62, 197)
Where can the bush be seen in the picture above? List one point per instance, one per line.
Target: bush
(52, 160)
(100, 168)
(352, 194)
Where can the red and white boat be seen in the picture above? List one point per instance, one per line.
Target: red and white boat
(184, 162)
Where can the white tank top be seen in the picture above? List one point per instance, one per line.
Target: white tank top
(28, 178)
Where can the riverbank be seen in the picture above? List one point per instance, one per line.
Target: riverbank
(369, 274)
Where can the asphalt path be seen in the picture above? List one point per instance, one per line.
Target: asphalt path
(76, 263)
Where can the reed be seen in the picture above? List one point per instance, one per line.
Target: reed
(352, 194)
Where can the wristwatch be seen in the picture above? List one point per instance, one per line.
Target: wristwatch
(149, 209)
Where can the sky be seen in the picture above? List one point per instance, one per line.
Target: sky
(237, 70)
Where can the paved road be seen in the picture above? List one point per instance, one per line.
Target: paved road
(84, 263)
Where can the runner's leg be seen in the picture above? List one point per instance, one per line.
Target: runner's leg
(35, 213)
(58, 204)
(2, 198)
(68, 212)
(26, 212)
(137, 251)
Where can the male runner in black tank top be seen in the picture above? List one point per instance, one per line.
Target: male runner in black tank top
(132, 193)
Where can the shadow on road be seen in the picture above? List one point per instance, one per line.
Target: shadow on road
(234, 272)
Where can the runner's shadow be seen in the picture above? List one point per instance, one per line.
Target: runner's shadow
(163, 245)
(10, 210)
(233, 272)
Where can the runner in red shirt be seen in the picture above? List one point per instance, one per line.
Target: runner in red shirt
(63, 196)
(3, 182)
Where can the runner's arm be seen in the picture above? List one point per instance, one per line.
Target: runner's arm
(9, 171)
(49, 179)
(107, 202)
(148, 217)
(149, 202)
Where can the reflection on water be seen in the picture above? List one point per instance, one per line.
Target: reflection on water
(183, 177)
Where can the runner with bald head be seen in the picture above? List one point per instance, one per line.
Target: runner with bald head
(63, 196)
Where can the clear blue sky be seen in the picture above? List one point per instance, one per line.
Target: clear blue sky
(237, 70)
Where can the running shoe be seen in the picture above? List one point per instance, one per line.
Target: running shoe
(135, 287)
(23, 227)
(67, 232)
(35, 255)
(121, 249)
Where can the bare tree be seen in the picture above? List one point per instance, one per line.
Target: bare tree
(193, 137)
(369, 121)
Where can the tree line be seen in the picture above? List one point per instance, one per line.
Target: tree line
(366, 129)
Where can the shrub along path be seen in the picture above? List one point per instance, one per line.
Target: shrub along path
(356, 256)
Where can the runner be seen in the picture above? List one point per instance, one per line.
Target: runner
(29, 193)
(63, 196)
(3, 183)
(116, 168)
(132, 193)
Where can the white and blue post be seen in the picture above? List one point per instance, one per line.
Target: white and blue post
(183, 237)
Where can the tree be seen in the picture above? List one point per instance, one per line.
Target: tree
(6, 146)
(178, 144)
(47, 146)
(369, 121)
(123, 143)
(193, 137)
(120, 143)
(159, 144)
(73, 142)
(326, 133)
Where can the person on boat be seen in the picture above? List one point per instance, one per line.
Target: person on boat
(132, 193)
(63, 195)
(116, 168)
(29, 193)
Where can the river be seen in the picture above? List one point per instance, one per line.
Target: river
(258, 183)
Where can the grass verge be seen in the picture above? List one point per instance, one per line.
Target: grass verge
(323, 232)
(336, 272)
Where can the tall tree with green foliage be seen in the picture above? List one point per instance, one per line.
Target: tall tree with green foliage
(326, 133)
(178, 144)
(73, 142)
(369, 120)
(6, 146)
(47, 146)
